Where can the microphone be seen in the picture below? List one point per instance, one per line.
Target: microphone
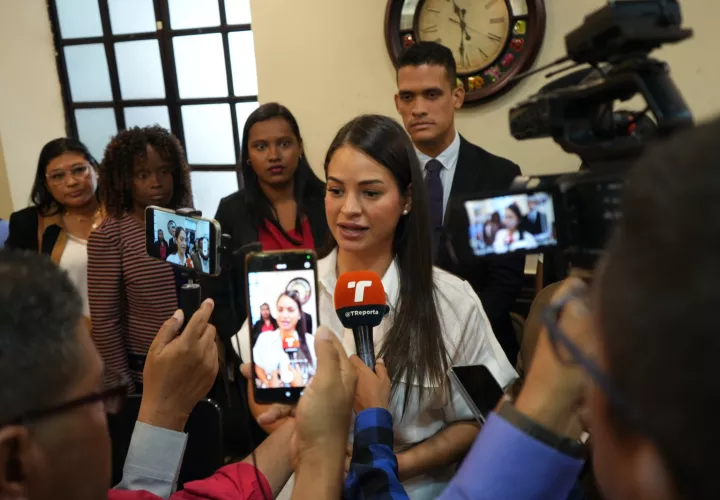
(291, 346)
(360, 305)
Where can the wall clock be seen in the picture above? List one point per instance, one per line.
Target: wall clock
(492, 40)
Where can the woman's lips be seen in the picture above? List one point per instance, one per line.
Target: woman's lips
(351, 231)
(278, 170)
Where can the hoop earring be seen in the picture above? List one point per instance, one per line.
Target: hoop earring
(248, 162)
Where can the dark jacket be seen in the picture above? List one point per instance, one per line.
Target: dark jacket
(235, 219)
(29, 231)
(497, 282)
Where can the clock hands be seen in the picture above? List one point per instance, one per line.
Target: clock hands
(491, 36)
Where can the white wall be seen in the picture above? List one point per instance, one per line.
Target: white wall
(31, 109)
(327, 61)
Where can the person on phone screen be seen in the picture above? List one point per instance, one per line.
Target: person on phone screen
(513, 237)
(160, 248)
(200, 255)
(132, 294)
(285, 357)
(266, 323)
(181, 257)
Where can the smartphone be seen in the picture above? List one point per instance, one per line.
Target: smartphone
(478, 388)
(283, 317)
(511, 223)
(183, 241)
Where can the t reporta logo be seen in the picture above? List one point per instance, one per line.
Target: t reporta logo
(359, 287)
(351, 314)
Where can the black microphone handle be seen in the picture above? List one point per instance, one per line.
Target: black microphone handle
(364, 345)
(189, 300)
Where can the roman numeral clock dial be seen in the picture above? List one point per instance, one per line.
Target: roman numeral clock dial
(491, 40)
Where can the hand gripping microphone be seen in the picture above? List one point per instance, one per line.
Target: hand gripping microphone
(291, 346)
(360, 305)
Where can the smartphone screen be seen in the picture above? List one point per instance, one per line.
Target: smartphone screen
(478, 387)
(186, 242)
(282, 319)
(523, 222)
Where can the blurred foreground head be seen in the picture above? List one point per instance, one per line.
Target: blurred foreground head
(47, 358)
(657, 298)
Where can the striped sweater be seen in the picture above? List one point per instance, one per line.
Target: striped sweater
(131, 294)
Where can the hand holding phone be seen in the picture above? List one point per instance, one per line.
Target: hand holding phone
(478, 387)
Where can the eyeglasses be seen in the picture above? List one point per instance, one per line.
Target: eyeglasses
(77, 172)
(113, 396)
(570, 354)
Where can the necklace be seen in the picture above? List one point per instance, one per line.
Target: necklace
(94, 218)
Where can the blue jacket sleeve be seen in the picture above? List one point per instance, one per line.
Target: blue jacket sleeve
(373, 468)
(506, 463)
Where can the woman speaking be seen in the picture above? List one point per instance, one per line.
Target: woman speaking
(285, 357)
(512, 237)
(181, 257)
(377, 209)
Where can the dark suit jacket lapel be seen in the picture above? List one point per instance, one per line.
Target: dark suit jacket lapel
(467, 172)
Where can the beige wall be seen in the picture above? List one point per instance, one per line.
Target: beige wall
(6, 206)
(326, 60)
(31, 110)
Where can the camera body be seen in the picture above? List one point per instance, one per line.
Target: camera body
(578, 112)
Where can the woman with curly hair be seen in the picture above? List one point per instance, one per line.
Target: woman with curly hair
(132, 294)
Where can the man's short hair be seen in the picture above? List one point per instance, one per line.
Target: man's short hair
(432, 54)
(40, 356)
(658, 299)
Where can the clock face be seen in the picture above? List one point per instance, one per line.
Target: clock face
(476, 31)
(491, 40)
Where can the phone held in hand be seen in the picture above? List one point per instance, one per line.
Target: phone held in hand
(478, 388)
(282, 320)
(186, 242)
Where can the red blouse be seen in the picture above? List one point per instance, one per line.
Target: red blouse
(271, 238)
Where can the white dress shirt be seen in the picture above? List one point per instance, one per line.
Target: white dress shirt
(74, 261)
(449, 160)
(469, 340)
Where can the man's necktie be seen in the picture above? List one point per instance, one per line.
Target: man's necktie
(435, 200)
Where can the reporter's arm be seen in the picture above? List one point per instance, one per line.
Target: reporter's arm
(374, 467)
(272, 457)
(446, 447)
(153, 460)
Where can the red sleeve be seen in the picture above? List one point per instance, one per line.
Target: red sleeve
(239, 481)
(131, 495)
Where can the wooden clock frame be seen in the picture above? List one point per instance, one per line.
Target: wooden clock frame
(495, 79)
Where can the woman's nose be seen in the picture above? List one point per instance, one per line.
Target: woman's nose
(351, 206)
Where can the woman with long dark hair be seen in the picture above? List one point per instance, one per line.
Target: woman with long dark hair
(377, 210)
(266, 323)
(65, 210)
(280, 206)
(132, 294)
(513, 236)
(274, 365)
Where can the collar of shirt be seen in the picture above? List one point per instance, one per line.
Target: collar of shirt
(448, 158)
(327, 276)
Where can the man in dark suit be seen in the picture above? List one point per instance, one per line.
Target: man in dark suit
(535, 222)
(428, 96)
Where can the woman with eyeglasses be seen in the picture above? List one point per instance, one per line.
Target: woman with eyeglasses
(65, 210)
(131, 294)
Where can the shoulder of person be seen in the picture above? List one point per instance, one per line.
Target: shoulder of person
(111, 228)
(25, 218)
(454, 288)
(489, 159)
